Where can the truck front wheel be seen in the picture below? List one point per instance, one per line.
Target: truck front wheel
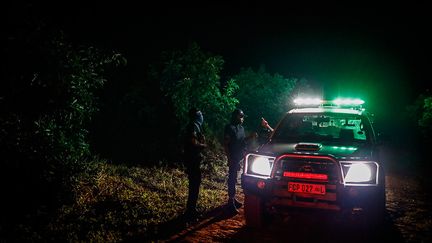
(254, 211)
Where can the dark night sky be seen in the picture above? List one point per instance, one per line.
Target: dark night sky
(360, 50)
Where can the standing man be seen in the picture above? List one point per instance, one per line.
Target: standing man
(193, 146)
(234, 145)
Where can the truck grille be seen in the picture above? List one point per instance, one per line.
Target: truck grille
(310, 165)
(321, 165)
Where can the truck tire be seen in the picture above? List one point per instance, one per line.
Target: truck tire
(376, 216)
(254, 211)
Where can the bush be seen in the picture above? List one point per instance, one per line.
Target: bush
(47, 101)
(192, 78)
(262, 94)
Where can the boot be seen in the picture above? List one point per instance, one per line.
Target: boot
(237, 203)
(231, 207)
(191, 215)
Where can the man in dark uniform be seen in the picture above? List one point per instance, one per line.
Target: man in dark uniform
(234, 145)
(194, 144)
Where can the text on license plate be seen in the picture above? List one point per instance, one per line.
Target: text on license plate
(306, 188)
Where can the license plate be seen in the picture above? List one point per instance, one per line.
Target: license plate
(306, 188)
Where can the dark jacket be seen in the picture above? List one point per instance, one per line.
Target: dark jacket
(237, 144)
(193, 131)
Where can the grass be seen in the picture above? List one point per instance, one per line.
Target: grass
(119, 203)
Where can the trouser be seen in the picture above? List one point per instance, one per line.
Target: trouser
(194, 176)
(233, 169)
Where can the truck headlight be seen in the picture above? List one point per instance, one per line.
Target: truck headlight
(360, 173)
(259, 165)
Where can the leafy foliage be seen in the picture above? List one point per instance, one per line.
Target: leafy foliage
(417, 127)
(62, 103)
(426, 119)
(192, 78)
(262, 94)
(47, 102)
(420, 114)
(65, 129)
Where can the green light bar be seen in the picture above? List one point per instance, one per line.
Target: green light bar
(340, 101)
(308, 101)
(337, 102)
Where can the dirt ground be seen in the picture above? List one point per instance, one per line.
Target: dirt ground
(409, 219)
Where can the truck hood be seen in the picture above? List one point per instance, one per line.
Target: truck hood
(352, 152)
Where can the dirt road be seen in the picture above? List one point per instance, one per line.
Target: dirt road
(409, 219)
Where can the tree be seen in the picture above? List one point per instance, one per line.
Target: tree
(47, 101)
(76, 75)
(192, 78)
(262, 94)
(418, 123)
(425, 121)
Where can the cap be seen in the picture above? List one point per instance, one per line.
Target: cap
(237, 112)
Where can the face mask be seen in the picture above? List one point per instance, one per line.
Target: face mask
(199, 118)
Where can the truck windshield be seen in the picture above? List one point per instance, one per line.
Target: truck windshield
(323, 128)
